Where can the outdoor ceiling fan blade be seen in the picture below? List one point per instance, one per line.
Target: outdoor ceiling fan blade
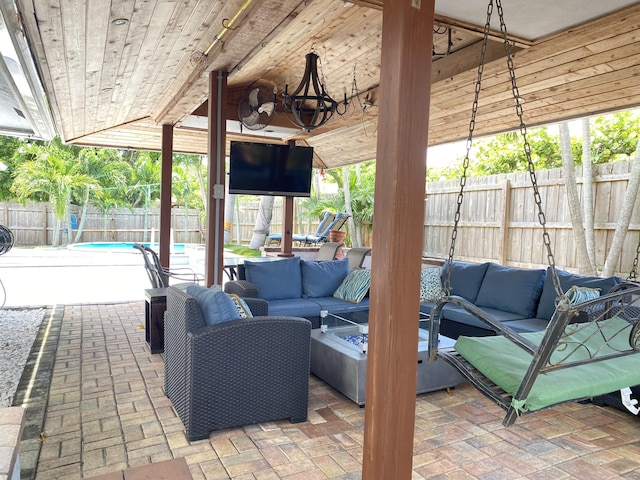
(253, 98)
(251, 120)
(267, 108)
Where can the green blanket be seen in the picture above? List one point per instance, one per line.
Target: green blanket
(505, 364)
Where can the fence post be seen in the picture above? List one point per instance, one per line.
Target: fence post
(504, 221)
(44, 225)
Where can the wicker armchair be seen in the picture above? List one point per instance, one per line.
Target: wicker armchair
(234, 373)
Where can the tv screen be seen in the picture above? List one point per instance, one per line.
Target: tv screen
(265, 169)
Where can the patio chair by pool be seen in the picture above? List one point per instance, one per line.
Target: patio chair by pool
(356, 256)
(159, 275)
(328, 251)
(276, 238)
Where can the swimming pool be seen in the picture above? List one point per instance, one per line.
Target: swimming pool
(118, 247)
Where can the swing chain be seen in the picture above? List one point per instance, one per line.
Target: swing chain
(465, 163)
(527, 150)
(633, 274)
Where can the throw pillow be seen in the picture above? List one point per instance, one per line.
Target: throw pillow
(241, 306)
(321, 279)
(547, 304)
(277, 280)
(578, 294)
(355, 286)
(216, 306)
(430, 284)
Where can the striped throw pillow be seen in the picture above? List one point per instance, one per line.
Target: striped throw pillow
(578, 294)
(355, 286)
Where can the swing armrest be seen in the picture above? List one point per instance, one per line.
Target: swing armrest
(498, 327)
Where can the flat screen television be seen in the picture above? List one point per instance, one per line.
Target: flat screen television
(266, 169)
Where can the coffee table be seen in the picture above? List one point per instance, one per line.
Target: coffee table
(339, 356)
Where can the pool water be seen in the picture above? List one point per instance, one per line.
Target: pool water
(118, 247)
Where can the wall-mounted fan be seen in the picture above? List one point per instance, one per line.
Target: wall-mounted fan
(6, 239)
(256, 109)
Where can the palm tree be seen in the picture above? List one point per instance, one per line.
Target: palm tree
(50, 170)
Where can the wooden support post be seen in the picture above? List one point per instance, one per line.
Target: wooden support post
(407, 39)
(214, 241)
(286, 243)
(166, 171)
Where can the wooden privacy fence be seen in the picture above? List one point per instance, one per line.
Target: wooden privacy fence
(499, 219)
(32, 224)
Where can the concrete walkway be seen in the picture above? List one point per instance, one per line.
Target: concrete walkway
(50, 276)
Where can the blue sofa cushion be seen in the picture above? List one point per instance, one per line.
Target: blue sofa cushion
(466, 278)
(294, 307)
(509, 289)
(321, 279)
(335, 305)
(547, 304)
(275, 280)
(216, 306)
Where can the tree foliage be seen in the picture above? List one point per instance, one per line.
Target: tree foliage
(613, 138)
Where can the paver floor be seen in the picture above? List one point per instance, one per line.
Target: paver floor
(107, 412)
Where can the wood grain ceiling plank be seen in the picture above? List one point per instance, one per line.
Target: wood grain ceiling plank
(190, 87)
(282, 59)
(569, 66)
(189, 30)
(97, 22)
(145, 70)
(74, 34)
(130, 38)
(576, 96)
(48, 27)
(562, 48)
(112, 51)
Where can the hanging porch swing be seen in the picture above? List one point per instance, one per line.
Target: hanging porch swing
(587, 349)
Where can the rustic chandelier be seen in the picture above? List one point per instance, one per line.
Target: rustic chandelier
(310, 106)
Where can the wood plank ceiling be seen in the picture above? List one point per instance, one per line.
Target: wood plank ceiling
(114, 83)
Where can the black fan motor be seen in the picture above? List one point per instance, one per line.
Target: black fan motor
(6, 239)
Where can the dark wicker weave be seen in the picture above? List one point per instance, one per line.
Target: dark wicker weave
(235, 373)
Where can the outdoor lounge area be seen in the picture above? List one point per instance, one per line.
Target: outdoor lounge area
(107, 412)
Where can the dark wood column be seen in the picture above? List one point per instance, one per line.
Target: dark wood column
(214, 241)
(397, 239)
(286, 243)
(165, 194)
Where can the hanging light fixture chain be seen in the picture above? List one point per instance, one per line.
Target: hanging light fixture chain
(465, 163)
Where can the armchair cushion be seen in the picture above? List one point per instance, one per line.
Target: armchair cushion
(275, 280)
(216, 306)
(321, 279)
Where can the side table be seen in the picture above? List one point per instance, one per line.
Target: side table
(154, 308)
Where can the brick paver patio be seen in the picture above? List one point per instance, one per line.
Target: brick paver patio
(107, 412)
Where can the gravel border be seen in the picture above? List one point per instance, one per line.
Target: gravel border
(18, 330)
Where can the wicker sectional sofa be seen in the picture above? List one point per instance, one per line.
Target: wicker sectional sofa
(522, 298)
(294, 287)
